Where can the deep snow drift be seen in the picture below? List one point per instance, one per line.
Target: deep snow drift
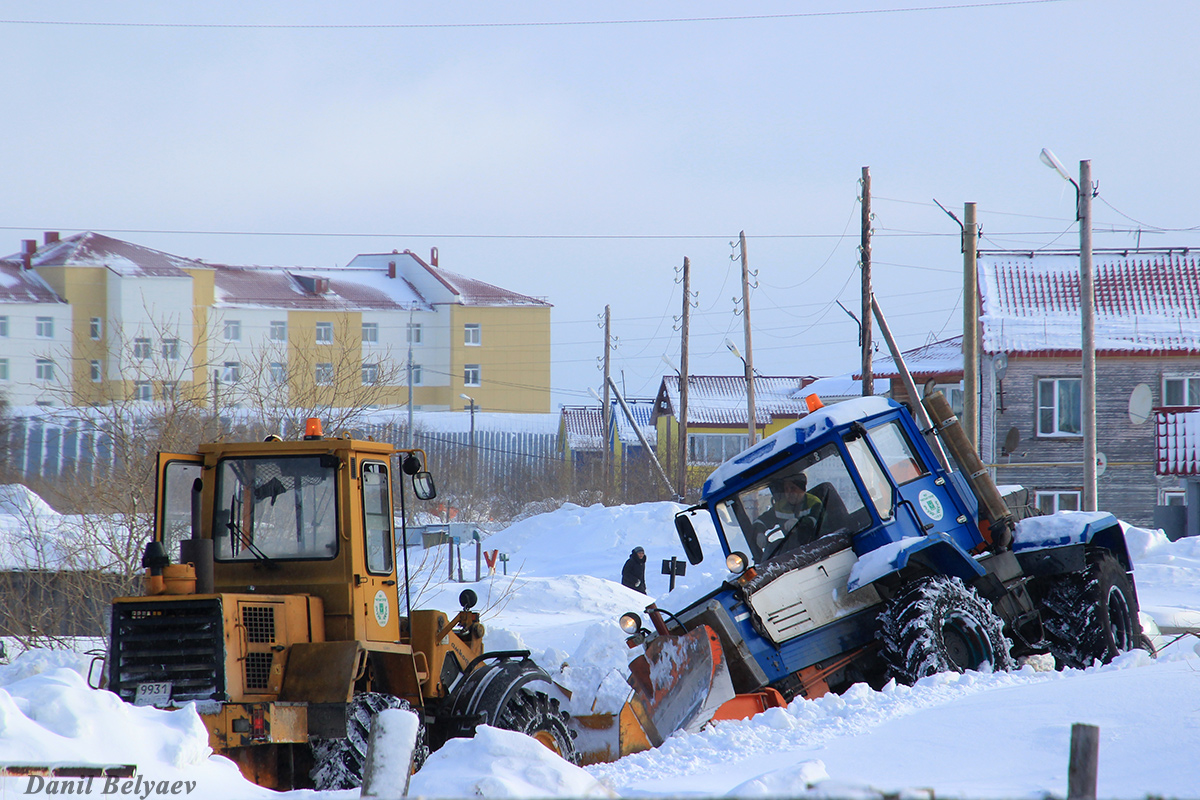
(975, 735)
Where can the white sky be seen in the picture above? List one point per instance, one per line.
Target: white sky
(690, 129)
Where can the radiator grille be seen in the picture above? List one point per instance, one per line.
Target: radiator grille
(177, 641)
(259, 622)
(258, 670)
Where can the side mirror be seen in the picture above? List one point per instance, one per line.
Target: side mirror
(423, 486)
(689, 539)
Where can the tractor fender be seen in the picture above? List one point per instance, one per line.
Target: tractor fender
(936, 552)
(1067, 528)
(477, 697)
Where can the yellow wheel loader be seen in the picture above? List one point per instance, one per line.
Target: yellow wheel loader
(274, 602)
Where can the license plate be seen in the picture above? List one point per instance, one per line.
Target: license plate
(152, 694)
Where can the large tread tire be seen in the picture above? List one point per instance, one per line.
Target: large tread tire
(534, 714)
(338, 763)
(938, 624)
(1091, 615)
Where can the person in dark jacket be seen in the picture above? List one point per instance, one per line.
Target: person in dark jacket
(793, 518)
(633, 574)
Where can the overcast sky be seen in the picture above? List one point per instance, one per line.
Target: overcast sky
(582, 162)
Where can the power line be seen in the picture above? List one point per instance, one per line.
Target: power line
(535, 24)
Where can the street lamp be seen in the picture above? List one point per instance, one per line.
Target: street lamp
(472, 408)
(749, 389)
(1087, 313)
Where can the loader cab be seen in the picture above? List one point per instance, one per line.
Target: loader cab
(312, 517)
(868, 477)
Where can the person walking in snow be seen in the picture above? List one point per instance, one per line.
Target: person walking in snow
(633, 574)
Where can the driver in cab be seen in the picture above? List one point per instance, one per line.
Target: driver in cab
(792, 519)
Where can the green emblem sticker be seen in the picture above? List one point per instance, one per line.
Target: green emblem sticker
(383, 609)
(930, 504)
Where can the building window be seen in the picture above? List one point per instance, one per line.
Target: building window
(715, 448)
(278, 372)
(233, 330)
(370, 374)
(278, 331)
(141, 349)
(1059, 407)
(231, 372)
(472, 335)
(1051, 502)
(413, 334)
(471, 375)
(324, 333)
(416, 374)
(170, 349)
(1181, 391)
(97, 371)
(4, 327)
(143, 391)
(324, 374)
(44, 369)
(45, 327)
(3, 369)
(96, 328)
(370, 332)
(170, 391)
(1172, 497)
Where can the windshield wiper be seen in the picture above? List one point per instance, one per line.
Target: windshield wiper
(236, 530)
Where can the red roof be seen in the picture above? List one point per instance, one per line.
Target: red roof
(97, 250)
(18, 285)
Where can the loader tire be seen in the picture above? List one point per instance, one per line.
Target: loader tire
(338, 763)
(1091, 615)
(534, 714)
(938, 624)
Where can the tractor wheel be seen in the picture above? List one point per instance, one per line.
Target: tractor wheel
(1091, 615)
(338, 763)
(938, 624)
(534, 714)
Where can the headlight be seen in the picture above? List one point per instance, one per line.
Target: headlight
(737, 563)
(631, 623)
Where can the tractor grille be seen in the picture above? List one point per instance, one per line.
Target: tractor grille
(259, 622)
(258, 670)
(177, 641)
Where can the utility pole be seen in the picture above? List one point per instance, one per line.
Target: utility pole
(750, 411)
(970, 420)
(605, 411)
(1087, 306)
(411, 308)
(868, 376)
(683, 378)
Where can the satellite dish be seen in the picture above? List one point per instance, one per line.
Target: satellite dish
(1012, 440)
(1141, 403)
(1101, 464)
(1000, 365)
(930, 387)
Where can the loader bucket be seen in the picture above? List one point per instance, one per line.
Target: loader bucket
(679, 683)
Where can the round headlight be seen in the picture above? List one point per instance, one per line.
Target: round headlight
(631, 623)
(737, 563)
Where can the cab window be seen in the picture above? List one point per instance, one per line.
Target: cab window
(873, 477)
(897, 454)
(276, 508)
(377, 518)
(176, 520)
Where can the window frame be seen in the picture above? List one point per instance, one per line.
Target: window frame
(4, 369)
(413, 334)
(231, 373)
(1055, 408)
(97, 370)
(277, 330)
(96, 328)
(233, 330)
(388, 548)
(3, 326)
(143, 391)
(1189, 382)
(323, 333)
(472, 334)
(278, 372)
(323, 373)
(170, 349)
(370, 333)
(43, 369)
(416, 375)
(370, 374)
(143, 350)
(1056, 497)
(472, 375)
(44, 327)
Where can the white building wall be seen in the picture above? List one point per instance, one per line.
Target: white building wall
(152, 308)
(23, 347)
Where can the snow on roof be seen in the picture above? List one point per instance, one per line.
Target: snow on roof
(721, 399)
(838, 387)
(129, 260)
(583, 427)
(943, 357)
(18, 285)
(466, 291)
(1177, 442)
(642, 410)
(302, 287)
(1145, 302)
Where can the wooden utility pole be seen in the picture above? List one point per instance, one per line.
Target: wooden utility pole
(970, 420)
(868, 377)
(1087, 307)
(750, 411)
(605, 411)
(683, 377)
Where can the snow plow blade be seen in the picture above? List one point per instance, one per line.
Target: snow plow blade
(679, 683)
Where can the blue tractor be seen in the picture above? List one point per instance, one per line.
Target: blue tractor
(862, 550)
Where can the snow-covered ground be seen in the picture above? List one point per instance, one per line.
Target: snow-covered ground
(1000, 735)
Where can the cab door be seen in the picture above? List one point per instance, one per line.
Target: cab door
(175, 479)
(375, 588)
